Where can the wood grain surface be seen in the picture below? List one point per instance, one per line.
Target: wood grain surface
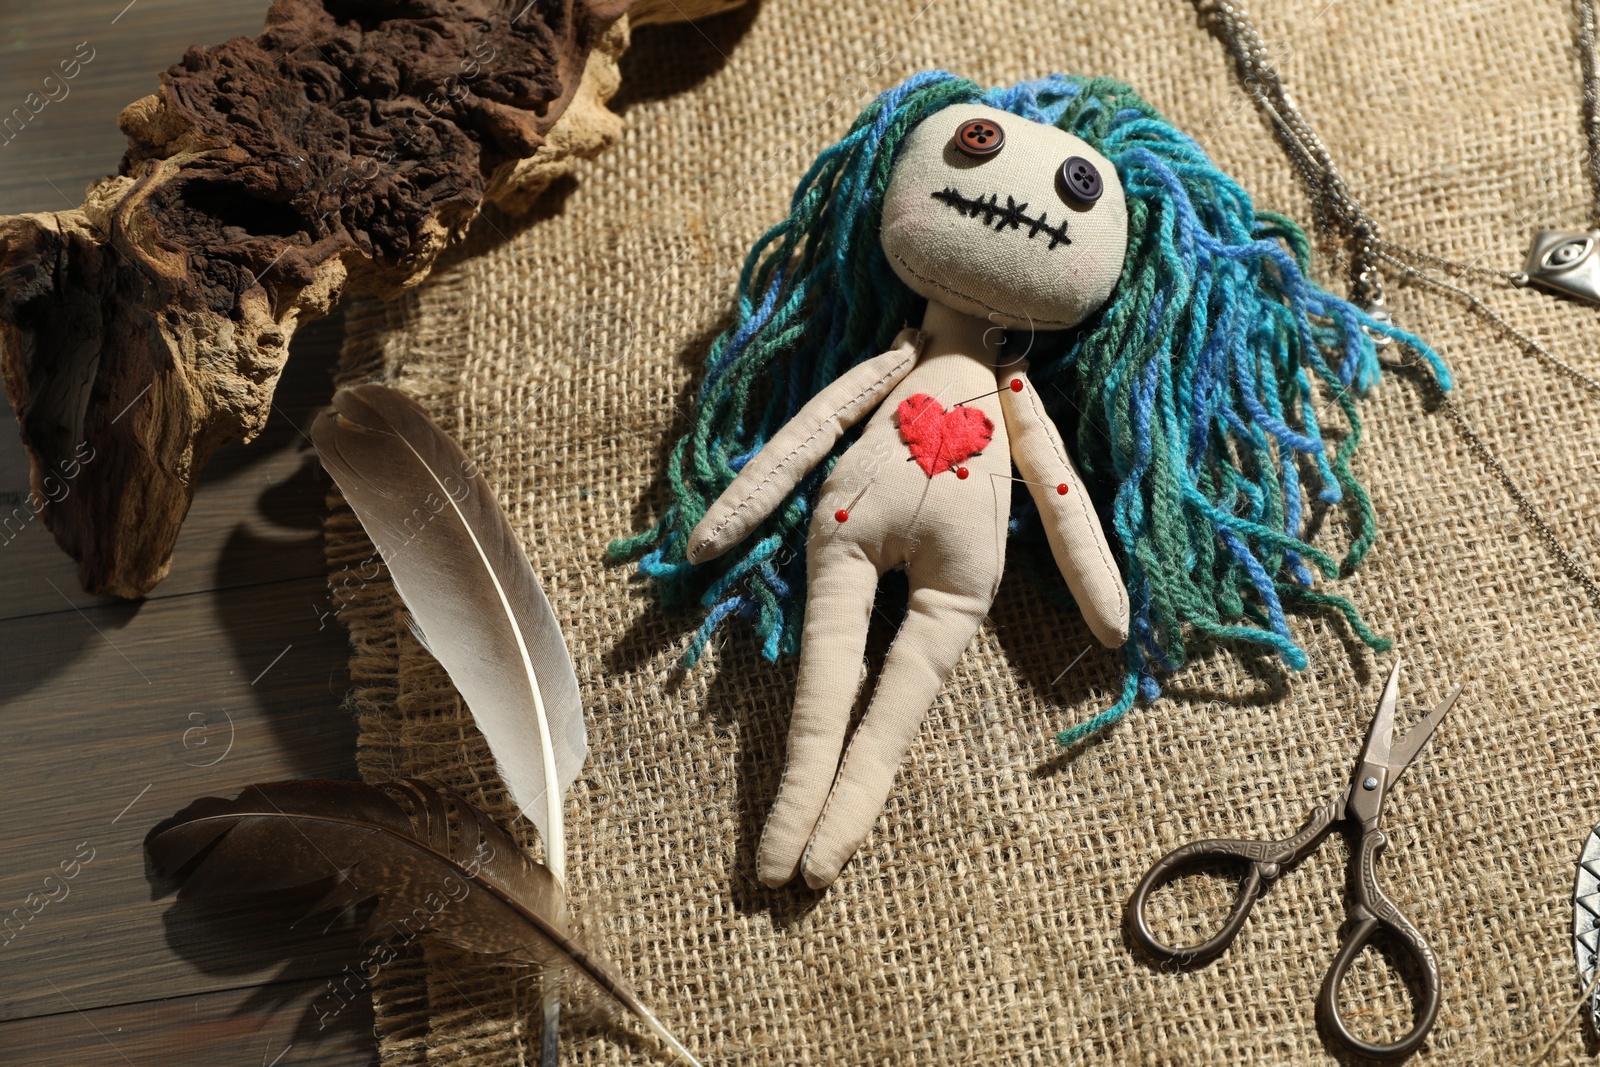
(113, 714)
(260, 1027)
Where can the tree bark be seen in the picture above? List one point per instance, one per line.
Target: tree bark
(342, 148)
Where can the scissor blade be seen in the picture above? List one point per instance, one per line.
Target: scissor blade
(1381, 732)
(1401, 755)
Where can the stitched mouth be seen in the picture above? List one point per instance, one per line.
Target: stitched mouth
(1013, 215)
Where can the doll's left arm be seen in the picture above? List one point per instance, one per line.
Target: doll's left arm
(771, 475)
(1076, 538)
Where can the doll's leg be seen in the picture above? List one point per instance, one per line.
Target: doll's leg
(938, 627)
(840, 587)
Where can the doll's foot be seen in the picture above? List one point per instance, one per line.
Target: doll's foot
(822, 871)
(779, 855)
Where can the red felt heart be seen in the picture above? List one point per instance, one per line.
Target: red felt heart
(940, 439)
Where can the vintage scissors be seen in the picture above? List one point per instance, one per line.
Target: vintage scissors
(1361, 803)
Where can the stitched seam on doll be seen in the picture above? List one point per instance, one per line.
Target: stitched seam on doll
(1058, 324)
(777, 802)
(1083, 504)
(711, 535)
(1013, 214)
(761, 846)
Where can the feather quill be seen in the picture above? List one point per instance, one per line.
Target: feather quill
(474, 600)
(399, 845)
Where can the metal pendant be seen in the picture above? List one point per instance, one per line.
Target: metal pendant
(1379, 313)
(1586, 919)
(1566, 263)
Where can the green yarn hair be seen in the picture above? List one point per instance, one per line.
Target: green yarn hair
(1194, 383)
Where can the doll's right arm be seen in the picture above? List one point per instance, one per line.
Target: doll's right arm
(771, 474)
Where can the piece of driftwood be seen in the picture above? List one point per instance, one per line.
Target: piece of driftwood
(340, 150)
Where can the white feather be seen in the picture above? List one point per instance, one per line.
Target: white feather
(475, 602)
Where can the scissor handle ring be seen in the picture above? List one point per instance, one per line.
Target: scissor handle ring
(1173, 865)
(1376, 912)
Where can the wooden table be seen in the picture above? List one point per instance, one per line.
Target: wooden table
(113, 715)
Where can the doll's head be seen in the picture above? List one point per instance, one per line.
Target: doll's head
(1004, 218)
(1187, 385)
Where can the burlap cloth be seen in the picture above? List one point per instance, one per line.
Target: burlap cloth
(982, 922)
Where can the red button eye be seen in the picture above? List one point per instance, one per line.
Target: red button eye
(979, 138)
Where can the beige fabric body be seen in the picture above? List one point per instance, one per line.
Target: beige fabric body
(982, 921)
(947, 531)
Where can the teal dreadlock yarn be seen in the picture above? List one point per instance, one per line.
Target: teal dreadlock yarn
(1191, 392)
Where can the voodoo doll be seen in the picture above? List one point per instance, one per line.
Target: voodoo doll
(1062, 224)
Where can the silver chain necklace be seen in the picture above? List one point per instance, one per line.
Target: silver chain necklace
(1554, 261)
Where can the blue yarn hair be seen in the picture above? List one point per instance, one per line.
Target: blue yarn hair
(1190, 395)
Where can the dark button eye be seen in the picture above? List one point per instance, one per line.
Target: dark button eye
(979, 138)
(1080, 180)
